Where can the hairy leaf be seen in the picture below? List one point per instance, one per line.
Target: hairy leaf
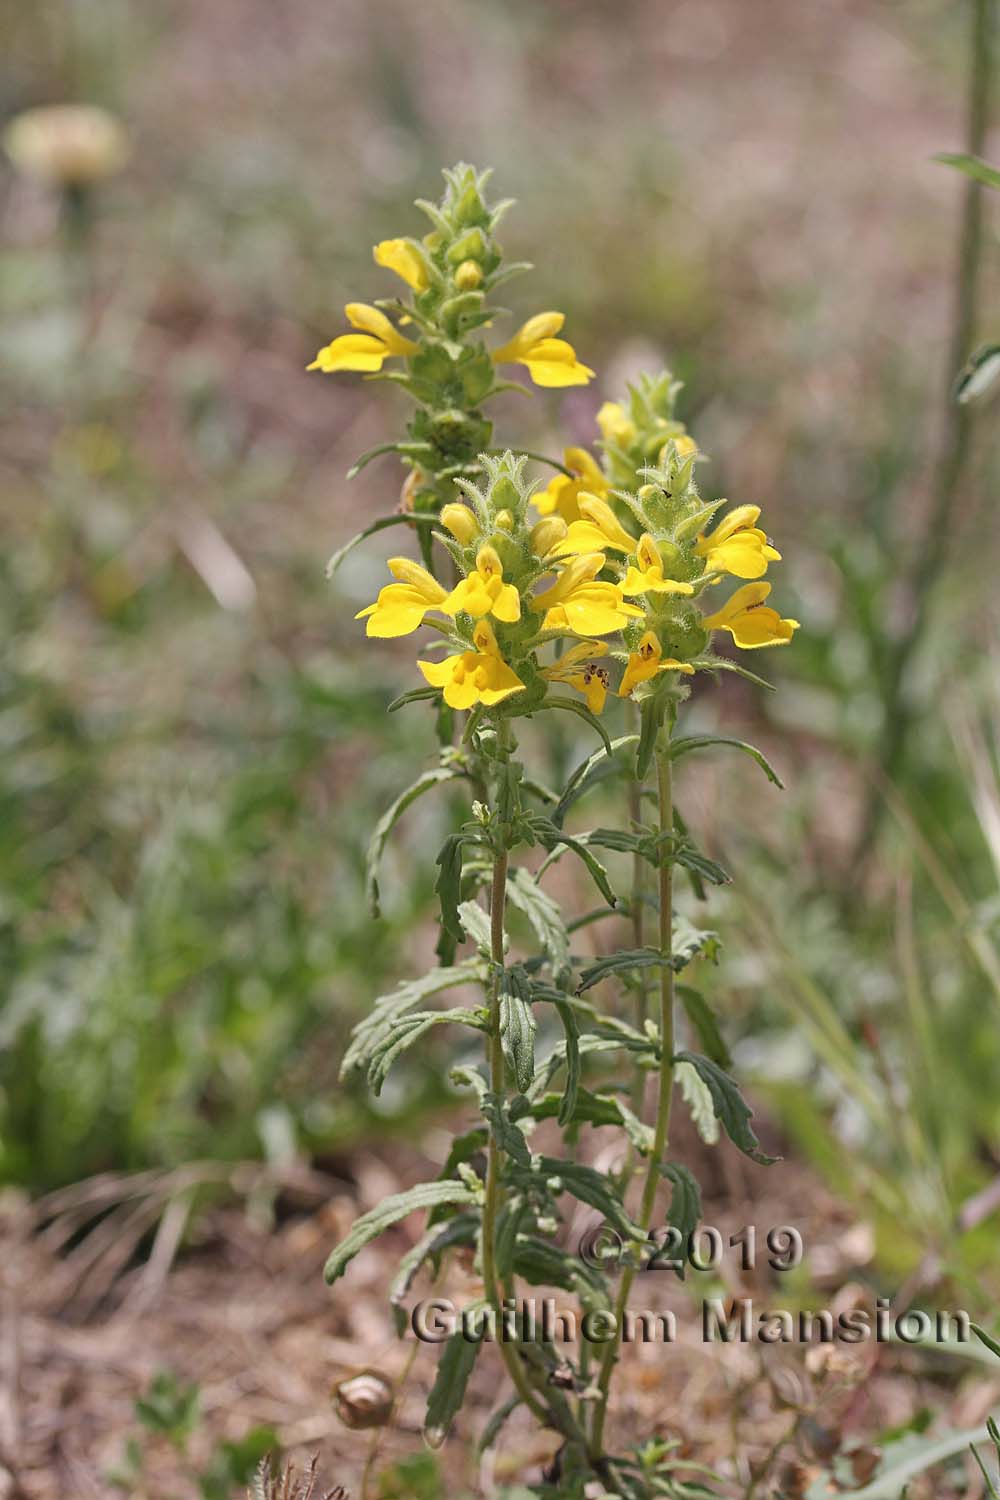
(593, 1188)
(590, 772)
(731, 1109)
(705, 1025)
(508, 1136)
(410, 518)
(707, 741)
(389, 1212)
(378, 1024)
(517, 1029)
(449, 885)
(406, 1031)
(453, 1371)
(459, 1230)
(524, 892)
(388, 821)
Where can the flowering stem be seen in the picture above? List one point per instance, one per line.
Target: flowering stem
(665, 1087)
(932, 553)
(491, 1204)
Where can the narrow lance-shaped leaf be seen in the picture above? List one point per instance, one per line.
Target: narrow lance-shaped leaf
(681, 747)
(595, 769)
(448, 886)
(460, 1230)
(388, 821)
(705, 1025)
(733, 1113)
(517, 1028)
(389, 1212)
(524, 892)
(409, 1030)
(410, 518)
(572, 1032)
(453, 1371)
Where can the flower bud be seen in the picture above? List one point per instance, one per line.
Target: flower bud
(461, 522)
(504, 520)
(548, 534)
(365, 1400)
(69, 145)
(468, 276)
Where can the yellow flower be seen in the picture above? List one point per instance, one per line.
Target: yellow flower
(750, 621)
(460, 521)
(547, 534)
(484, 591)
(400, 256)
(550, 361)
(598, 530)
(378, 340)
(646, 662)
(562, 495)
(401, 607)
(575, 669)
(616, 425)
(578, 603)
(479, 676)
(737, 545)
(648, 577)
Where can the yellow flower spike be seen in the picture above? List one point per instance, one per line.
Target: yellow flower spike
(401, 607)
(576, 669)
(401, 257)
(737, 545)
(479, 676)
(365, 351)
(616, 425)
(646, 575)
(550, 361)
(750, 621)
(598, 528)
(547, 535)
(484, 591)
(646, 661)
(562, 494)
(578, 603)
(461, 521)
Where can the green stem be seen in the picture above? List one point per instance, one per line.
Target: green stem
(932, 553)
(665, 1091)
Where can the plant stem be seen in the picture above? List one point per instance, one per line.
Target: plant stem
(933, 549)
(665, 1088)
(491, 1205)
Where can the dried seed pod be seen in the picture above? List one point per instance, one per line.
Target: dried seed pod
(364, 1400)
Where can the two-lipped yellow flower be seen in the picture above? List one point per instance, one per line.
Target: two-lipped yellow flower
(378, 340)
(484, 592)
(479, 676)
(579, 603)
(646, 661)
(577, 670)
(750, 621)
(737, 545)
(405, 259)
(645, 575)
(597, 530)
(550, 361)
(561, 497)
(401, 607)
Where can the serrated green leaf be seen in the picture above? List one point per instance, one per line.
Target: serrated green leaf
(551, 837)
(388, 821)
(591, 772)
(517, 1029)
(410, 1029)
(448, 886)
(509, 1137)
(571, 706)
(572, 1034)
(731, 1109)
(685, 1200)
(593, 1188)
(476, 922)
(459, 1230)
(524, 892)
(705, 1025)
(618, 963)
(378, 1025)
(410, 518)
(448, 1391)
(682, 747)
(689, 942)
(389, 1212)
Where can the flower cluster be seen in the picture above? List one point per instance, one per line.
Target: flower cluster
(447, 366)
(632, 566)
